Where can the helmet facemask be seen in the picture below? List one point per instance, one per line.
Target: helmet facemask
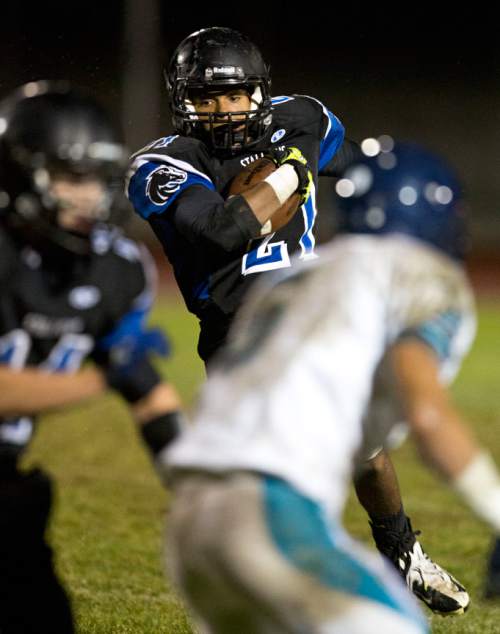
(226, 132)
(67, 199)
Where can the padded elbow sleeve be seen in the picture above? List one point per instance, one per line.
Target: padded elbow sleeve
(242, 215)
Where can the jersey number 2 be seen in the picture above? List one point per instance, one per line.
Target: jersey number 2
(266, 257)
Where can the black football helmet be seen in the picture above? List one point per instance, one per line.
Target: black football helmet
(217, 60)
(47, 128)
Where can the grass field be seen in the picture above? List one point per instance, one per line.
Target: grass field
(107, 527)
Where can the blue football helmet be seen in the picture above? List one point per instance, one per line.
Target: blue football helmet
(402, 188)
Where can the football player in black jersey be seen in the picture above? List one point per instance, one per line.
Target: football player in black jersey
(224, 119)
(72, 288)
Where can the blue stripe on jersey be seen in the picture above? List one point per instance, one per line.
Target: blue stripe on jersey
(299, 530)
(438, 332)
(283, 99)
(201, 290)
(332, 141)
(137, 189)
(307, 240)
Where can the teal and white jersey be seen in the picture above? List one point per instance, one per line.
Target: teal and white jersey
(302, 384)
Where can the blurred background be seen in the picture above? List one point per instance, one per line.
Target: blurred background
(420, 73)
(423, 74)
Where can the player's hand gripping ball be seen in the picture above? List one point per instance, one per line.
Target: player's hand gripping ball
(294, 157)
(255, 173)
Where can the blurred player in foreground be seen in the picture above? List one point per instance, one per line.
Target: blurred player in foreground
(72, 288)
(322, 363)
(225, 120)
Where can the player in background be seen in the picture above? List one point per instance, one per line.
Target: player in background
(322, 362)
(72, 288)
(224, 119)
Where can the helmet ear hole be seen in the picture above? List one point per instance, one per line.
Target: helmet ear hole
(220, 60)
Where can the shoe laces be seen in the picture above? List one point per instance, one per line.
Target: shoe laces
(397, 545)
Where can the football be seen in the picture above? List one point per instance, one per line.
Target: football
(253, 174)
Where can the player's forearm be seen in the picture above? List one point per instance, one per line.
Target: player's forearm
(161, 399)
(266, 197)
(444, 442)
(449, 448)
(32, 391)
(262, 200)
(160, 421)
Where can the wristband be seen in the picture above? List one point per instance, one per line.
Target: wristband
(160, 431)
(284, 182)
(479, 485)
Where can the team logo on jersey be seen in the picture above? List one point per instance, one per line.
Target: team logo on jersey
(279, 134)
(83, 297)
(163, 182)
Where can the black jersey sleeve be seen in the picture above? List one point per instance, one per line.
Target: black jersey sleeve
(348, 152)
(312, 114)
(204, 217)
(173, 182)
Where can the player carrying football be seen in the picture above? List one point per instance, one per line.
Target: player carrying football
(225, 118)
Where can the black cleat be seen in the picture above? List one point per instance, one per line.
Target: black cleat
(433, 585)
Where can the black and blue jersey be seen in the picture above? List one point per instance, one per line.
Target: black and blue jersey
(56, 313)
(179, 187)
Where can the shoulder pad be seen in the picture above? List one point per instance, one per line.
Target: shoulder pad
(277, 101)
(301, 109)
(174, 146)
(162, 170)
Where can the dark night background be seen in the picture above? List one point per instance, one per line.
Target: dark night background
(420, 73)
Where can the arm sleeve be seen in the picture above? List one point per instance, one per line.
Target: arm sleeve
(165, 189)
(348, 152)
(333, 136)
(202, 216)
(331, 133)
(316, 116)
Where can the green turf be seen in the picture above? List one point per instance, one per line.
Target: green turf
(108, 524)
